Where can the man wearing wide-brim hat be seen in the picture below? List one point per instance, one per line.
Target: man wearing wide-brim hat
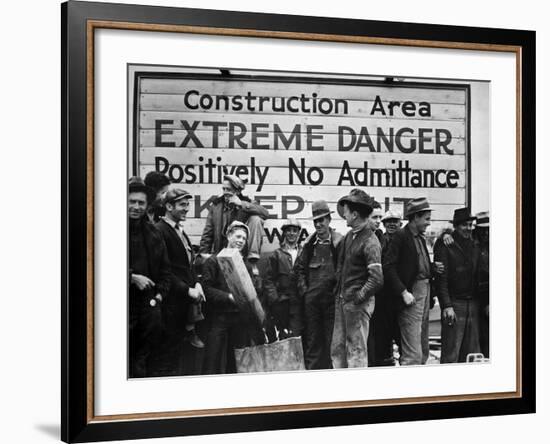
(229, 207)
(315, 272)
(458, 290)
(182, 309)
(150, 277)
(360, 277)
(408, 273)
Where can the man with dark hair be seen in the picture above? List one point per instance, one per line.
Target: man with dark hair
(458, 291)
(315, 271)
(384, 321)
(233, 206)
(281, 291)
(182, 308)
(407, 272)
(481, 234)
(149, 276)
(360, 277)
(159, 183)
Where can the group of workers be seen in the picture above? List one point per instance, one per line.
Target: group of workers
(355, 300)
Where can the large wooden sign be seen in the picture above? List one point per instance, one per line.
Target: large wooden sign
(296, 140)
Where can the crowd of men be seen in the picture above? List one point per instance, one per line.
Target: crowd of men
(354, 299)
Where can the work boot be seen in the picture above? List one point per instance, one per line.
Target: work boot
(194, 339)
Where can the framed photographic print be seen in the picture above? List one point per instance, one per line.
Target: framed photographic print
(276, 221)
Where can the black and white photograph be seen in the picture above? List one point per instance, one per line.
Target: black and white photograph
(286, 221)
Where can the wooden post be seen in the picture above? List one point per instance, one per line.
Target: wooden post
(239, 281)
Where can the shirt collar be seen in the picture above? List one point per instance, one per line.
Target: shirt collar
(328, 240)
(174, 225)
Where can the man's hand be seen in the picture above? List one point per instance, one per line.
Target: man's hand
(439, 267)
(449, 316)
(408, 298)
(194, 293)
(448, 240)
(198, 287)
(142, 282)
(235, 200)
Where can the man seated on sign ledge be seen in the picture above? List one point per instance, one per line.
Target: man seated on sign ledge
(229, 327)
(233, 206)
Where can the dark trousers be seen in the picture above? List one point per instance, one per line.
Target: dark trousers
(227, 331)
(484, 333)
(319, 323)
(144, 335)
(383, 332)
(461, 338)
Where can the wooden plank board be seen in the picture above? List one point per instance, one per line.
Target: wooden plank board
(272, 158)
(354, 108)
(239, 282)
(287, 123)
(296, 88)
(286, 142)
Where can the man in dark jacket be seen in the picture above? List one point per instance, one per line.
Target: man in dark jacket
(360, 277)
(315, 271)
(407, 274)
(384, 320)
(481, 234)
(283, 303)
(182, 308)
(458, 291)
(233, 206)
(149, 281)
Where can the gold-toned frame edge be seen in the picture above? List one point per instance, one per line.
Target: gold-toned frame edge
(96, 24)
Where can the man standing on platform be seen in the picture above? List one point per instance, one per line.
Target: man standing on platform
(233, 206)
(315, 270)
(360, 277)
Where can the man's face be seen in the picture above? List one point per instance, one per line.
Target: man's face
(465, 229)
(237, 239)
(423, 221)
(178, 210)
(291, 235)
(137, 205)
(350, 216)
(483, 234)
(375, 218)
(228, 190)
(391, 225)
(322, 226)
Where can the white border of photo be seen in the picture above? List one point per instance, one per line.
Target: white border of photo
(115, 394)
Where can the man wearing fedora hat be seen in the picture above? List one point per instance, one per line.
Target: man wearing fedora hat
(481, 234)
(458, 291)
(408, 272)
(149, 281)
(360, 277)
(283, 305)
(182, 308)
(315, 273)
(229, 207)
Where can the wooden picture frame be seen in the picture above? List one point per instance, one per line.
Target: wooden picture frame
(80, 20)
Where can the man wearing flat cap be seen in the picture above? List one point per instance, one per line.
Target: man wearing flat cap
(182, 308)
(233, 206)
(458, 291)
(360, 277)
(315, 272)
(408, 273)
(283, 304)
(149, 281)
